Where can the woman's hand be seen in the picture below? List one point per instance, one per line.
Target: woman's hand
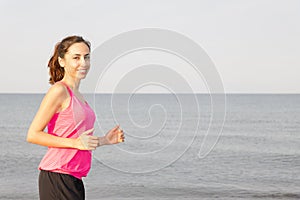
(86, 141)
(114, 136)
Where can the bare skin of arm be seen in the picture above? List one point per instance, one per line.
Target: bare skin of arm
(55, 100)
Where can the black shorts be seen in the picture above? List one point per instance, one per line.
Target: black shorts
(57, 186)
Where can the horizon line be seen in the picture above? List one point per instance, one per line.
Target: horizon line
(107, 93)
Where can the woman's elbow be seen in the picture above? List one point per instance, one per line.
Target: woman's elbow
(30, 137)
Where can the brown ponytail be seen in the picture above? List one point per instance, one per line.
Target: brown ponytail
(57, 72)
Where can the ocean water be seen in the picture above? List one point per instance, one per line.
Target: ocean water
(256, 156)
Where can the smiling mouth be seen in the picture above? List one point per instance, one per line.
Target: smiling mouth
(82, 70)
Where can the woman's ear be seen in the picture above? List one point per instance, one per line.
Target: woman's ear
(61, 62)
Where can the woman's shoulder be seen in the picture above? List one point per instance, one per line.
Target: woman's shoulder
(58, 91)
(55, 97)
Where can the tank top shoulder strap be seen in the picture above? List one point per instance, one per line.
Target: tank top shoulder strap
(68, 88)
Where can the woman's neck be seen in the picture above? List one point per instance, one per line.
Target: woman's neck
(73, 84)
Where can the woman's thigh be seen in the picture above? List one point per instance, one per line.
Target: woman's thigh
(59, 186)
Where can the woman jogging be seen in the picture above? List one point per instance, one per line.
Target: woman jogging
(69, 121)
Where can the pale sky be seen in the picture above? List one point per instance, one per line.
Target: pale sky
(254, 44)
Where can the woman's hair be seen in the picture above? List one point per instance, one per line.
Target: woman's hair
(57, 72)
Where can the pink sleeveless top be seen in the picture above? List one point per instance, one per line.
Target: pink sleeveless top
(70, 123)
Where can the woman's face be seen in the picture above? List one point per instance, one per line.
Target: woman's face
(76, 61)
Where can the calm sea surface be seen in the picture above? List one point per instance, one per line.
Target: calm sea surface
(256, 156)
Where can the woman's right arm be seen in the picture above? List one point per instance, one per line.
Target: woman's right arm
(51, 103)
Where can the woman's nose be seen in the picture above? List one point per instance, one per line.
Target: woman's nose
(84, 61)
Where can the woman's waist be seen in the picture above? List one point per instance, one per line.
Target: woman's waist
(66, 158)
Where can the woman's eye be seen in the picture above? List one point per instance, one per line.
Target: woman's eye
(87, 57)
